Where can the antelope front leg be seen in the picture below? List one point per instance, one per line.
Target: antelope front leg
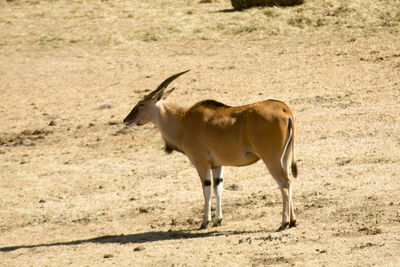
(207, 203)
(218, 174)
(204, 173)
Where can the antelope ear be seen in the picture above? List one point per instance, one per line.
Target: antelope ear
(167, 93)
(158, 95)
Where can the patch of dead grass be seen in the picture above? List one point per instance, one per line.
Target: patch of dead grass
(96, 23)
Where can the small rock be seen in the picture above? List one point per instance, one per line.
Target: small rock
(143, 210)
(42, 201)
(121, 131)
(233, 187)
(142, 91)
(20, 143)
(107, 256)
(113, 123)
(139, 248)
(343, 161)
(106, 106)
(52, 123)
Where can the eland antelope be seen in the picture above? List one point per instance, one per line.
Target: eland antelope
(213, 135)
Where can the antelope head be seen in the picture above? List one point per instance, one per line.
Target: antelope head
(142, 111)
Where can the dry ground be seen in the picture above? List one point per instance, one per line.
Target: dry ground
(86, 191)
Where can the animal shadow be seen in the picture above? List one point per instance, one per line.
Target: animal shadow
(146, 237)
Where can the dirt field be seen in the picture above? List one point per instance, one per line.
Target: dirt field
(78, 188)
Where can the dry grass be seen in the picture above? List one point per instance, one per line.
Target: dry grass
(87, 191)
(97, 23)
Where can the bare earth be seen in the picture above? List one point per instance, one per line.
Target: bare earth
(86, 191)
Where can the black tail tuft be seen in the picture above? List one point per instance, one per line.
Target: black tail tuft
(295, 171)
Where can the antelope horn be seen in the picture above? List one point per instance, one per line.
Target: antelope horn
(165, 83)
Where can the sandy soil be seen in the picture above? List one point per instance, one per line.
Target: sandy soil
(78, 188)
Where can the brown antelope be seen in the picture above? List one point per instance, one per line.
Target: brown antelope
(213, 135)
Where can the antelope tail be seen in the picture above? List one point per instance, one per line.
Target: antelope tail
(291, 132)
(292, 125)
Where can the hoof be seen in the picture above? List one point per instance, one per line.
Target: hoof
(204, 225)
(283, 226)
(292, 224)
(218, 223)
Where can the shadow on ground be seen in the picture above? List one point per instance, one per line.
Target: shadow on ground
(134, 238)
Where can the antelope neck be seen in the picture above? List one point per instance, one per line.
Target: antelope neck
(169, 121)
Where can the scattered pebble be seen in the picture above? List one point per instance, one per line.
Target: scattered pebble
(20, 143)
(143, 210)
(269, 238)
(342, 161)
(190, 221)
(233, 187)
(139, 248)
(247, 240)
(106, 106)
(107, 256)
(121, 131)
(52, 123)
(142, 91)
(370, 231)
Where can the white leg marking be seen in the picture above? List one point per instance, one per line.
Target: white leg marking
(204, 172)
(286, 205)
(292, 215)
(207, 204)
(218, 174)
